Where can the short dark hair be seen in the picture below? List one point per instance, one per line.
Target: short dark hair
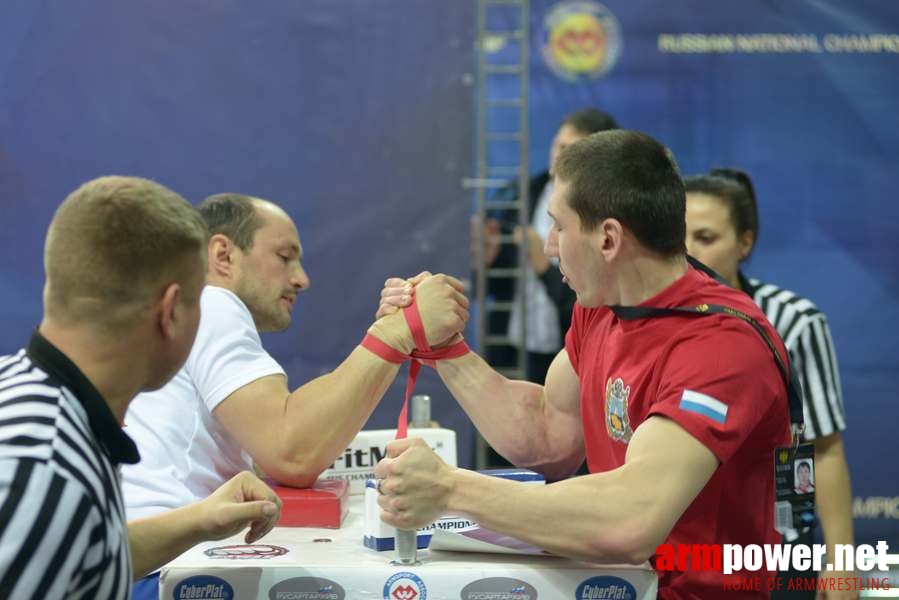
(590, 120)
(629, 176)
(232, 215)
(734, 188)
(112, 243)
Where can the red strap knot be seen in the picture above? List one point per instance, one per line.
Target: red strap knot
(423, 353)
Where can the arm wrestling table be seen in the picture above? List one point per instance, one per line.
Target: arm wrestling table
(332, 564)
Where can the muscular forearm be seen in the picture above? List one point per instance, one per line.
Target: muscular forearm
(833, 491)
(157, 540)
(323, 416)
(581, 518)
(509, 414)
(620, 515)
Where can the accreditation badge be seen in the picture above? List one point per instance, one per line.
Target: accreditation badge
(794, 488)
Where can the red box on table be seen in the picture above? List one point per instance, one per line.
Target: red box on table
(325, 504)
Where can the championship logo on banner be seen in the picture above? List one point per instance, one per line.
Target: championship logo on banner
(580, 40)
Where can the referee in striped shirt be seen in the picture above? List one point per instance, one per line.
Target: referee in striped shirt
(125, 262)
(722, 227)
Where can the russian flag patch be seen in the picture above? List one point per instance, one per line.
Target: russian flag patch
(704, 405)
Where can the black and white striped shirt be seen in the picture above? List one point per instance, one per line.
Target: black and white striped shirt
(63, 532)
(806, 335)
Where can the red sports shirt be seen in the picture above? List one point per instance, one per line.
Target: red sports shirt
(715, 377)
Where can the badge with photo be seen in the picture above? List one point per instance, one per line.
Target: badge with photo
(794, 486)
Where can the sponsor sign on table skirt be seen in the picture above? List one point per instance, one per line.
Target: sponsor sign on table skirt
(333, 564)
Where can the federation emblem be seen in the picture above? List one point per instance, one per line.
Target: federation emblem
(581, 39)
(783, 456)
(405, 586)
(617, 422)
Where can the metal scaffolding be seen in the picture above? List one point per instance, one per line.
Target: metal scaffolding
(502, 132)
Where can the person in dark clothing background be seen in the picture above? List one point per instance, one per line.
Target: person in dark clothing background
(549, 300)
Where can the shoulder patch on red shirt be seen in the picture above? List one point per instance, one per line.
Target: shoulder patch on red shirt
(705, 405)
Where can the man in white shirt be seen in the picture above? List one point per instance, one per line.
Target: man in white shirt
(230, 405)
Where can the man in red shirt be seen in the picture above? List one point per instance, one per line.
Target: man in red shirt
(677, 416)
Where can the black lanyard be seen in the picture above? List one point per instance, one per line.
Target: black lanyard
(794, 390)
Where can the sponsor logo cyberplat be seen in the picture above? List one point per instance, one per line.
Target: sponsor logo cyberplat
(605, 587)
(203, 587)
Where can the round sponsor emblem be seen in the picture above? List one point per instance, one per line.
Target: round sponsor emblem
(203, 586)
(307, 588)
(499, 588)
(405, 586)
(605, 586)
(580, 39)
(245, 551)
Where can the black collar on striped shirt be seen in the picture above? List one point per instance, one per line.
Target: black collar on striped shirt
(118, 446)
(746, 285)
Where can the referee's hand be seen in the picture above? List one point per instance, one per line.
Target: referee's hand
(243, 501)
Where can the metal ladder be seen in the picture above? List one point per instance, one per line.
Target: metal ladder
(501, 51)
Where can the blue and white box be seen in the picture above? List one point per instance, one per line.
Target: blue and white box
(382, 537)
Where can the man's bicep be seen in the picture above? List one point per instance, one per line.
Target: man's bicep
(251, 415)
(562, 409)
(669, 467)
(562, 389)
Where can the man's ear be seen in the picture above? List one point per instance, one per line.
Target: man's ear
(611, 234)
(221, 255)
(168, 305)
(746, 241)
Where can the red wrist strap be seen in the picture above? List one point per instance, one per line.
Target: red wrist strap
(379, 348)
(423, 353)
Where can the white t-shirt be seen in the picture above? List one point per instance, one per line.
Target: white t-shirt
(542, 315)
(185, 452)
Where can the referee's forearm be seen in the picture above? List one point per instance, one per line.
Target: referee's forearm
(159, 539)
(833, 491)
